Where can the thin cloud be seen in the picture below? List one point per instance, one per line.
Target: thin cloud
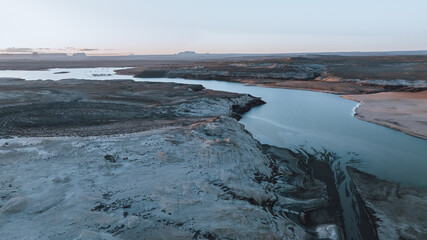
(68, 50)
(16, 50)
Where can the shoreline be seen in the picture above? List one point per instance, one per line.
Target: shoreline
(389, 122)
(405, 112)
(329, 74)
(127, 93)
(188, 121)
(204, 176)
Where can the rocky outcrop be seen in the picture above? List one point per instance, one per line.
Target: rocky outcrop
(279, 71)
(398, 211)
(192, 172)
(336, 74)
(207, 180)
(244, 106)
(291, 71)
(85, 108)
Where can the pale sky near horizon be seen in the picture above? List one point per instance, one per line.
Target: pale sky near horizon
(233, 26)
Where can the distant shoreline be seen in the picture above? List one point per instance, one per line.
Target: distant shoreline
(341, 75)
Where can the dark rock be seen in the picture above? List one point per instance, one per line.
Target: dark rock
(110, 158)
(151, 74)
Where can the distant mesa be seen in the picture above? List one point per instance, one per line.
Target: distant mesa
(187, 53)
(192, 55)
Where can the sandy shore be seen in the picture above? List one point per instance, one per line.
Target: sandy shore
(392, 84)
(403, 111)
(330, 74)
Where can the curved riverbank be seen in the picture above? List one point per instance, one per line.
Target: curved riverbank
(310, 120)
(126, 160)
(403, 111)
(92, 108)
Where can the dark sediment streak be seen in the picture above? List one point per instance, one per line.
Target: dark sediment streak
(309, 171)
(315, 180)
(397, 211)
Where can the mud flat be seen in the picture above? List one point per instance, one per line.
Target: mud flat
(399, 211)
(403, 111)
(131, 160)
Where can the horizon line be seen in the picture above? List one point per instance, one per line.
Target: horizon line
(88, 54)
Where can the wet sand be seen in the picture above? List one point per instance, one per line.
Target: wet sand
(403, 111)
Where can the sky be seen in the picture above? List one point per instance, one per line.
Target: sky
(211, 26)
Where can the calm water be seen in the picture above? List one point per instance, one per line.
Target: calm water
(311, 121)
(294, 119)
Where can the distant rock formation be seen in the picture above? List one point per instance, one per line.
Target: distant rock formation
(187, 53)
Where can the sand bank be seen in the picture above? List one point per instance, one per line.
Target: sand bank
(403, 111)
